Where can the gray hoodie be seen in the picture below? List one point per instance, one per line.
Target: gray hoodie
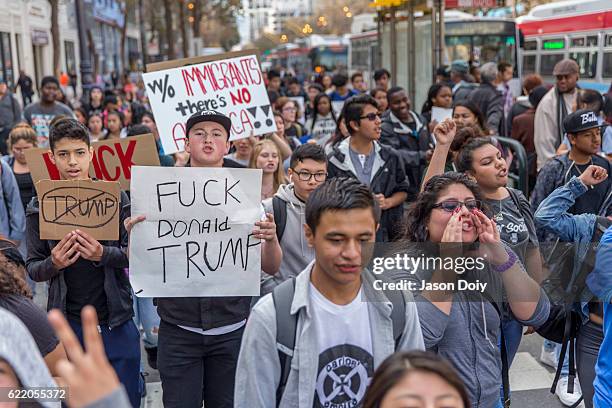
(258, 371)
(296, 252)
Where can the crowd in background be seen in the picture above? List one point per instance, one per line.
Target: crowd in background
(342, 145)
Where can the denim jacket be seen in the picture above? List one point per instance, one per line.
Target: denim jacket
(553, 217)
(12, 215)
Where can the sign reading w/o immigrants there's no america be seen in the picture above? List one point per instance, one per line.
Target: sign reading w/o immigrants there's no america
(197, 237)
(231, 83)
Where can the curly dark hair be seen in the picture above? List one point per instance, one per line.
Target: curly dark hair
(12, 279)
(419, 211)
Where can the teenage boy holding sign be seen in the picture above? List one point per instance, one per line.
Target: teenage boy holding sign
(199, 338)
(83, 271)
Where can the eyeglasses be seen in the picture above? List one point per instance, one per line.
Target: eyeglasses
(370, 116)
(306, 176)
(451, 205)
(289, 110)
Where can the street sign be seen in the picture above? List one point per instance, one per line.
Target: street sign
(450, 4)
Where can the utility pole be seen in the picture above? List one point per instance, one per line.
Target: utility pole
(85, 66)
(143, 35)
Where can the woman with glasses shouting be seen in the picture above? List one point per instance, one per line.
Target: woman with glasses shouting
(379, 166)
(458, 298)
(481, 159)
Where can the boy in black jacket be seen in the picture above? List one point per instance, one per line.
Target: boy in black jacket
(83, 271)
(380, 167)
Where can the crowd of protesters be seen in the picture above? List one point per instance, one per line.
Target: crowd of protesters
(350, 164)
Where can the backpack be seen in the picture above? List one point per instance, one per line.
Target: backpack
(563, 322)
(286, 327)
(279, 208)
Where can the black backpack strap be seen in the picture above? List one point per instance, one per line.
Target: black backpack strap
(398, 314)
(286, 326)
(569, 341)
(504, 352)
(279, 207)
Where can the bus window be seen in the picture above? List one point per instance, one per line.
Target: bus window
(587, 61)
(591, 41)
(548, 62)
(458, 47)
(607, 65)
(608, 42)
(529, 64)
(530, 45)
(578, 42)
(494, 48)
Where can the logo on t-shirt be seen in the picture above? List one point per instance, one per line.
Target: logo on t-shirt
(344, 374)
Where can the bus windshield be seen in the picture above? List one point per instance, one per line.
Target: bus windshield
(481, 48)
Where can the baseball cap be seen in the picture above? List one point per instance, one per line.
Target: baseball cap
(581, 120)
(460, 66)
(566, 67)
(209, 116)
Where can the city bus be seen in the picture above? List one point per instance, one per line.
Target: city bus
(314, 54)
(475, 39)
(576, 29)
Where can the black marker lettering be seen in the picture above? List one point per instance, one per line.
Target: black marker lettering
(180, 196)
(227, 191)
(189, 256)
(163, 248)
(204, 193)
(160, 195)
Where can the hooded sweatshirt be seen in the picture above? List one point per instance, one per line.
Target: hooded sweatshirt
(20, 352)
(296, 252)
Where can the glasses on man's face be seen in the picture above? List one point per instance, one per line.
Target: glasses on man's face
(306, 176)
(370, 116)
(452, 205)
(201, 135)
(19, 150)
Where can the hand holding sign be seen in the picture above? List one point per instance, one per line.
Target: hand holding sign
(88, 246)
(65, 252)
(267, 229)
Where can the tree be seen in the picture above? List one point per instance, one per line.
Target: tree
(55, 36)
(183, 24)
(127, 6)
(169, 30)
(218, 24)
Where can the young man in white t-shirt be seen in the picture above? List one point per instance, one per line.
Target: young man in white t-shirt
(340, 337)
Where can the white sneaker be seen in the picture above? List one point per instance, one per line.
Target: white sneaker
(566, 398)
(548, 357)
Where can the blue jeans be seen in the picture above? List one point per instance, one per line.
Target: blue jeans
(550, 345)
(122, 347)
(513, 333)
(145, 315)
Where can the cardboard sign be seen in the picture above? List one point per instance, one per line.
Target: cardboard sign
(197, 237)
(112, 160)
(230, 83)
(91, 206)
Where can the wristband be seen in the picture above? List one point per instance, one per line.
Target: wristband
(512, 258)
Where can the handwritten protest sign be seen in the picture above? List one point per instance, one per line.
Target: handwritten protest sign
(196, 239)
(230, 83)
(92, 206)
(112, 160)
